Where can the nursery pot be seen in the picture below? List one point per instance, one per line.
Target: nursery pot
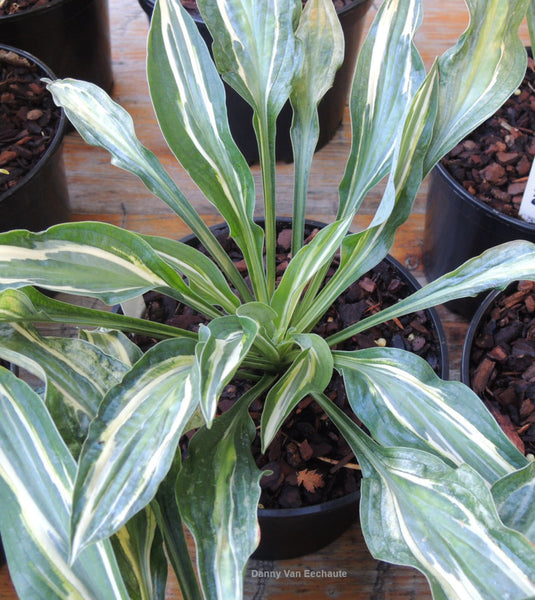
(293, 532)
(497, 360)
(459, 226)
(331, 108)
(70, 36)
(40, 199)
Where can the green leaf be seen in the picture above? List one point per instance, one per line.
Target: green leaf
(416, 510)
(27, 305)
(132, 441)
(321, 39)
(302, 268)
(311, 371)
(170, 522)
(76, 375)
(204, 278)
(402, 402)
(362, 251)
(90, 259)
(494, 268)
(103, 122)
(478, 74)
(223, 344)
(188, 95)
(255, 48)
(389, 71)
(514, 495)
(218, 492)
(114, 343)
(139, 550)
(36, 486)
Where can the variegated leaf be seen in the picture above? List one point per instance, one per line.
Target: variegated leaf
(416, 510)
(514, 495)
(222, 346)
(36, 486)
(171, 525)
(203, 277)
(302, 268)
(192, 115)
(389, 71)
(364, 250)
(76, 376)
(31, 306)
(138, 547)
(132, 441)
(114, 343)
(103, 122)
(479, 73)
(321, 39)
(255, 49)
(218, 494)
(90, 259)
(310, 372)
(402, 402)
(494, 268)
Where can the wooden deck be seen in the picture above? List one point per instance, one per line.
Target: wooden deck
(100, 191)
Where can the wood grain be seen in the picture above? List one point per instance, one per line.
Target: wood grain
(102, 192)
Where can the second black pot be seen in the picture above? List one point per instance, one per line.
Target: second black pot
(70, 36)
(40, 199)
(458, 226)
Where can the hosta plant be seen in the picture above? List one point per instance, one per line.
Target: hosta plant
(94, 495)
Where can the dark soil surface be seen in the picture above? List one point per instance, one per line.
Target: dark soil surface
(502, 368)
(28, 118)
(493, 163)
(309, 460)
(12, 7)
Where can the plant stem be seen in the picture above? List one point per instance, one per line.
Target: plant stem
(265, 131)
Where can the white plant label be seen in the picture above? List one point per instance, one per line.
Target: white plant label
(527, 206)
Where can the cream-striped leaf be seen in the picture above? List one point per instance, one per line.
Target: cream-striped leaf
(36, 486)
(138, 547)
(418, 511)
(321, 39)
(304, 265)
(91, 259)
(402, 402)
(494, 268)
(255, 49)
(76, 376)
(479, 73)
(222, 346)
(132, 441)
(514, 495)
(310, 372)
(113, 343)
(203, 277)
(103, 122)
(389, 71)
(188, 97)
(218, 494)
(28, 305)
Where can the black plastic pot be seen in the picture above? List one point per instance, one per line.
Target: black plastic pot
(331, 108)
(70, 36)
(40, 199)
(458, 226)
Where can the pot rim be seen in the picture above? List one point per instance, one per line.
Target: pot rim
(472, 330)
(513, 222)
(26, 13)
(57, 140)
(301, 511)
